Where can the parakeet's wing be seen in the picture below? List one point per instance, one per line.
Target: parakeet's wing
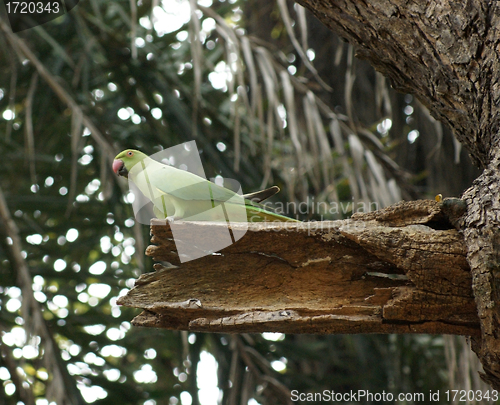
(185, 185)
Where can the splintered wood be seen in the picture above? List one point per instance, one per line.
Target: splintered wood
(397, 270)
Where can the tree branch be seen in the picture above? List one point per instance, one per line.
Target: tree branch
(393, 271)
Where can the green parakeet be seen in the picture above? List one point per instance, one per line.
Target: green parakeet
(178, 194)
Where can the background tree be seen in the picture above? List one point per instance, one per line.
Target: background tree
(271, 97)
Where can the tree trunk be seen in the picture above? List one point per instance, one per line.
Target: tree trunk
(446, 53)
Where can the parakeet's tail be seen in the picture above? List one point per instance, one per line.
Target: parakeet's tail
(261, 195)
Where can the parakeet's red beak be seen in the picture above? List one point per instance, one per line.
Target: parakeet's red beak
(117, 165)
(119, 168)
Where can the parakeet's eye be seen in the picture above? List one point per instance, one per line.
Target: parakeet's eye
(130, 153)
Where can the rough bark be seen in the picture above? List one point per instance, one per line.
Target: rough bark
(447, 54)
(482, 237)
(399, 270)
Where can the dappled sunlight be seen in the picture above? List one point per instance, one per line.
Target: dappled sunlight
(209, 393)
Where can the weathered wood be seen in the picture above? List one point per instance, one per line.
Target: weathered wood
(383, 272)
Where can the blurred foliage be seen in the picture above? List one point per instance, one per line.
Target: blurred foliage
(271, 97)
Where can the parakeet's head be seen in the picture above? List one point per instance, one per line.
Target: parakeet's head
(125, 160)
